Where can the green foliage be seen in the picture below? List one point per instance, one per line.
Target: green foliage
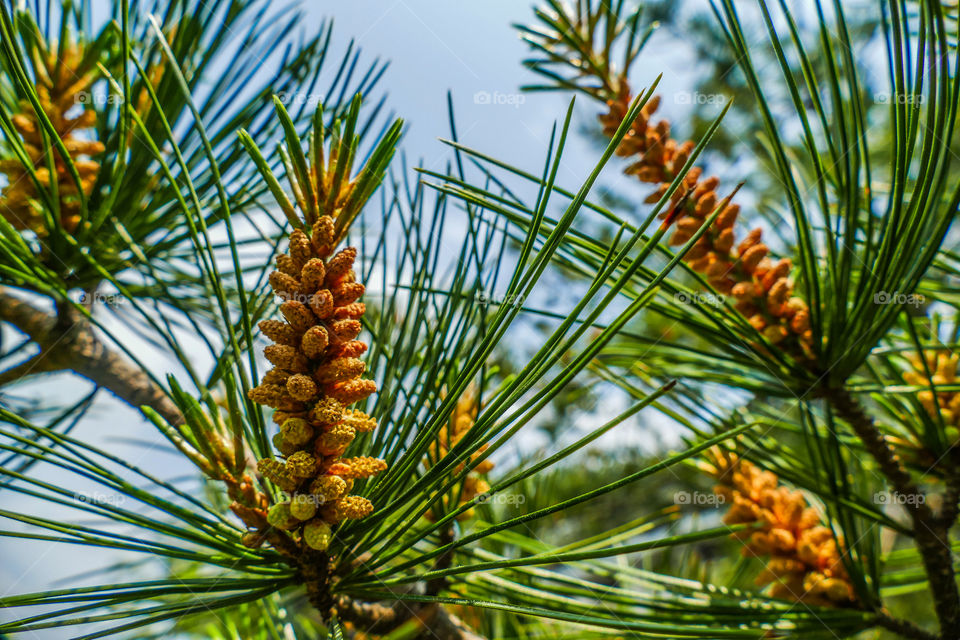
(569, 541)
(151, 91)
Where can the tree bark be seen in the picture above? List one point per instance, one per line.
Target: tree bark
(69, 343)
(931, 533)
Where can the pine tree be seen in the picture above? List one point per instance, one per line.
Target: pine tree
(340, 347)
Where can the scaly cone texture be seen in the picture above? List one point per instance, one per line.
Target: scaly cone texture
(943, 371)
(803, 561)
(762, 287)
(316, 376)
(317, 373)
(461, 420)
(60, 90)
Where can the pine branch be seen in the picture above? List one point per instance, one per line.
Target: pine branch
(930, 533)
(950, 508)
(378, 618)
(36, 364)
(69, 343)
(903, 628)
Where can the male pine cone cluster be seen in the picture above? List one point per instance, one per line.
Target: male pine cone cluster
(761, 285)
(803, 562)
(943, 371)
(61, 90)
(461, 420)
(316, 376)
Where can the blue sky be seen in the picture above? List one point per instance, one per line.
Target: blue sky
(468, 48)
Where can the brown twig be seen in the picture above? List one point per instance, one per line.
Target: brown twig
(68, 343)
(929, 532)
(437, 621)
(950, 498)
(378, 618)
(436, 585)
(903, 627)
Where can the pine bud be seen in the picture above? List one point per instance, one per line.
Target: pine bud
(300, 249)
(303, 506)
(312, 275)
(301, 387)
(279, 332)
(297, 431)
(317, 534)
(328, 489)
(280, 517)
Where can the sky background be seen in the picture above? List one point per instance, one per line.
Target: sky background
(466, 48)
(471, 50)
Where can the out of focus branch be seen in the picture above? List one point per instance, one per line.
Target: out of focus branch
(67, 342)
